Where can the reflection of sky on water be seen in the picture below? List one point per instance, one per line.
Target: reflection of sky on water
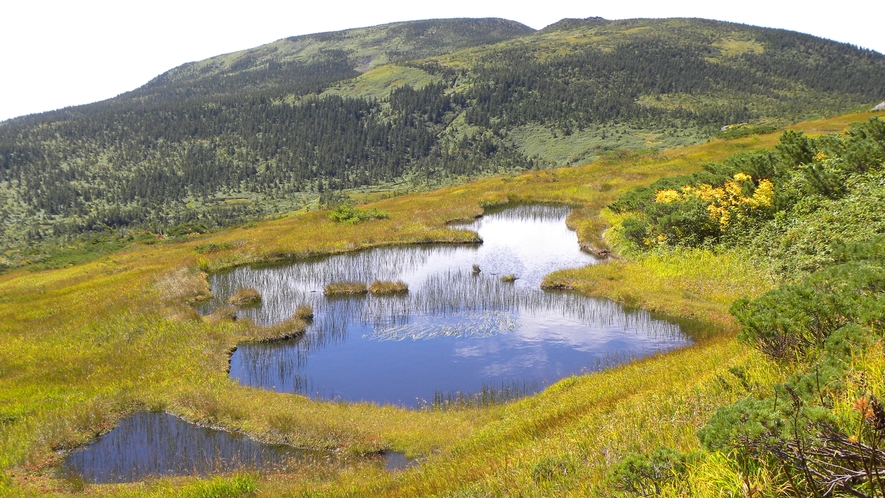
(158, 444)
(453, 331)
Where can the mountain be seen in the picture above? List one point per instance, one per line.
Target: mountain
(412, 104)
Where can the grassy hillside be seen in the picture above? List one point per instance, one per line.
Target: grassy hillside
(404, 106)
(87, 344)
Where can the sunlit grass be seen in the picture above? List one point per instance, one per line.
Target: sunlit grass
(385, 287)
(345, 289)
(85, 345)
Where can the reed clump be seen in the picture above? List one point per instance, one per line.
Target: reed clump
(508, 278)
(245, 297)
(387, 287)
(304, 312)
(290, 328)
(345, 289)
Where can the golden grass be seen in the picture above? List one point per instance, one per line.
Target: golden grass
(245, 297)
(345, 289)
(386, 287)
(86, 345)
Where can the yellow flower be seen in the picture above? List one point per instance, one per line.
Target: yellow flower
(764, 194)
(742, 177)
(820, 156)
(667, 196)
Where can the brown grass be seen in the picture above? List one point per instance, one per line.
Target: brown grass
(386, 287)
(245, 298)
(345, 289)
(304, 312)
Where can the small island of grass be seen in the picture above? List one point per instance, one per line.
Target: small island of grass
(345, 289)
(387, 287)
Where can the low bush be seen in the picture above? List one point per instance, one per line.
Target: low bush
(351, 215)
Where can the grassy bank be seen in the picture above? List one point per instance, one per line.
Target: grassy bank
(87, 344)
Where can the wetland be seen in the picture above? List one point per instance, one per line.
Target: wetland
(473, 321)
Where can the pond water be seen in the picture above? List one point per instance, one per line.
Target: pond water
(154, 444)
(455, 331)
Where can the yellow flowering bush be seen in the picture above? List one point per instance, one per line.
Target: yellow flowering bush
(734, 199)
(693, 214)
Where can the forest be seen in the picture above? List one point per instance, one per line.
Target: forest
(250, 134)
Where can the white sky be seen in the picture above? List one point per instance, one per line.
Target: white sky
(58, 53)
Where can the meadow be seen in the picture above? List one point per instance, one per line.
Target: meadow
(87, 344)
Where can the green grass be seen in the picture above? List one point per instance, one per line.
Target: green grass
(581, 146)
(85, 345)
(380, 81)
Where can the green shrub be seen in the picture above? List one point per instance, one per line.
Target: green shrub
(646, 475)
(790, 321)
(351, 215)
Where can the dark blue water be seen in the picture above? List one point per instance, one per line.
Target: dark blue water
(157, 444)
(454, 332)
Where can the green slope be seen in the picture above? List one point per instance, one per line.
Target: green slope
(406, 105)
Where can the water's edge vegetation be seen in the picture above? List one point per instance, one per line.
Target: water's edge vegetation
(89, 344)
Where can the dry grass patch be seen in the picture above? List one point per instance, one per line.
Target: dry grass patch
(245, 298)
(345, 289)
(386, 287)
(303, 312)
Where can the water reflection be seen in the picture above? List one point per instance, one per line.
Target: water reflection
(158, 444)
(455, 331)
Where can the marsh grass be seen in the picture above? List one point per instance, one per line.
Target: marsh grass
(488, 395)
(245, 298)
(281, 331)
(304, 312)
(83, 344)
(387, 287)
(345, 289)
(508, 278)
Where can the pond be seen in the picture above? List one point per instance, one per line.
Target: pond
(152, 444)
(456, 333)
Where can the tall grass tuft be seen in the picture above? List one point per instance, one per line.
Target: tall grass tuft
(345, 289)
(245, 298)
(386, 287)
(304, 312)
(487, 396)
(222, 487)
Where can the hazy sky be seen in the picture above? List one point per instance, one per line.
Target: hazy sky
(61, 53)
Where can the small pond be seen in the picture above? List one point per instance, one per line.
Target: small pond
(455, 331)
(154, 444)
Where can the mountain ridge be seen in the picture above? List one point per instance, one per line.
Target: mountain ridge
(412, 105)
